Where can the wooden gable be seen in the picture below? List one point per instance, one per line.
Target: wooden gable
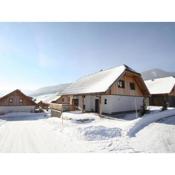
(129, 78)
(16, 98)
(63, 100)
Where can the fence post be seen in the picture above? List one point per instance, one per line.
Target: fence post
(62, 115)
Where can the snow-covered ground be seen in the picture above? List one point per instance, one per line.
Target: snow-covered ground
(77, 132)
(158, 137)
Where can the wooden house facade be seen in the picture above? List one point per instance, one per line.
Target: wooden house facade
(120, 89)
(162, 91)
(16, 101)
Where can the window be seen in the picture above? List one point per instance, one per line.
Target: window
(132, 86)
(20, 100)
(105, 102)
(10, 100)
(121, 84)
(62, 99)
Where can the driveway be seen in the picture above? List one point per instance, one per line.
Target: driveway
(26, 133)
(37, 133)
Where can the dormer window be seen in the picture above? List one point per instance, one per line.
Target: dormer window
(121, 84)
(10, 100)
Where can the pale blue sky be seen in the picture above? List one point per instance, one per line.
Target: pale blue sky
(33, 55)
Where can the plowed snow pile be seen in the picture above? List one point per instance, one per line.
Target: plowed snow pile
(158, 137)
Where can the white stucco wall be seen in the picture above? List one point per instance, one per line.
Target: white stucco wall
(117, 103)
(7, 109)
(89, 102)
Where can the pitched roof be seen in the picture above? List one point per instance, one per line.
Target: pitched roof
(161, 85)
(18, 91)
(98, 82)
(47, 98)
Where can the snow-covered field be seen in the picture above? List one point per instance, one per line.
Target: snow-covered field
(77, 132)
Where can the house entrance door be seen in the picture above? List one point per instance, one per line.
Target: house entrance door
(75, 102)
(97, 105)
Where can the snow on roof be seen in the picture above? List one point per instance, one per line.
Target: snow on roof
(161, 85)
(47, 98)
(97, 82)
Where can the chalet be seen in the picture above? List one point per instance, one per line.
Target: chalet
(62, 100)
(45, 96)
(44, 102)
(16, 101)
(115, 90)
(43, 105)
(162, 91)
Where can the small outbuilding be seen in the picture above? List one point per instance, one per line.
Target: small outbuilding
(16, 101)
(162, 91)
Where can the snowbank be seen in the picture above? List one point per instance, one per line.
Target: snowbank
(78, 116)
(147, 119)
(158, 137)
(157, 108)
(1, 122)
(22, 116)
(94, 133)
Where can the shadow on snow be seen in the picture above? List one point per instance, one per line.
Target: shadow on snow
(22, 117)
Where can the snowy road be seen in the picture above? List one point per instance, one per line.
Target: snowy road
(37, 133)
(32, 135)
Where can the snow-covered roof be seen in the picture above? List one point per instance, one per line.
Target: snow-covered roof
(18, 92)
(47, 98)
(97, 82)
(161, 85)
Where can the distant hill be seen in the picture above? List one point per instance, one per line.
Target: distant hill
(156, 73)
(57, 89)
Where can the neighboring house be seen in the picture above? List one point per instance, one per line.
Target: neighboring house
(43, 105)
(45, 100)
(50, 95)
(115, 90)
(16, 101)
(162, 91)
(62, 100)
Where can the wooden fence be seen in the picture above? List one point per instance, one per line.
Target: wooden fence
(57, 109)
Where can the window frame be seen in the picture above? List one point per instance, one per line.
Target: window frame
(21, 101)
(10, 100)
(62, 100)
(132, 86)
(105, 101)
(121, 84)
